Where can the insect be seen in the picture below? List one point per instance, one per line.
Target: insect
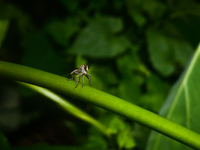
(81, 71)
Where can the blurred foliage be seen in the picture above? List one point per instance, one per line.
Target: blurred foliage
(3, 29)
(100, 41)
(136, 49)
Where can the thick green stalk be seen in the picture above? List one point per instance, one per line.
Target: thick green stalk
(101, 99)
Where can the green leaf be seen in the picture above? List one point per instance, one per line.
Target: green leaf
(165, 51)
(61, 31)
(3, 29)
(116, 124)
(137, 17)
(125, 140)
(182, 106)
(130, 63)
(98, 39)
(154, 8)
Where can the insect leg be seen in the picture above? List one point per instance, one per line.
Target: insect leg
(75, 72)
(83, 82)
(78, 80)
(71, 78)
(89, 77)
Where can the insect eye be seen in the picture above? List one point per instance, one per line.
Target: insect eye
(86, 68)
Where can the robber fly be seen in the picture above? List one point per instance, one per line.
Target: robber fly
(81, 71)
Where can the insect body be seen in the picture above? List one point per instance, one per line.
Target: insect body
(81, 71)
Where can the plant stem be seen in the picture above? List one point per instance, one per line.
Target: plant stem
(69, 108)
(91, 95)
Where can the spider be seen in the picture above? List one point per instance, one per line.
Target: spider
(81, 71)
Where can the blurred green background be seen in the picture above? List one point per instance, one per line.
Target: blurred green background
(136, 50)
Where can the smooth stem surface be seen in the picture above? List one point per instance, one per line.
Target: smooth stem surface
(101, 99)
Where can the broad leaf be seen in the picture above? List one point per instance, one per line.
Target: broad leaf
(182, 106)
(137, 17)
(155, 9)
(166, 51)
(61, 31)
(98, 39)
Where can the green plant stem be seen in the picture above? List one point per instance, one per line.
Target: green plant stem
(101, 99)
(68, 107)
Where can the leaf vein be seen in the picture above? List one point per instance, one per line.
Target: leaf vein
(187, 101)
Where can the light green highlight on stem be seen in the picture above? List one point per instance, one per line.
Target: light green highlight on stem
(68, 107)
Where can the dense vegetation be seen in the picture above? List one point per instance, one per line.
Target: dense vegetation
(136, 50)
